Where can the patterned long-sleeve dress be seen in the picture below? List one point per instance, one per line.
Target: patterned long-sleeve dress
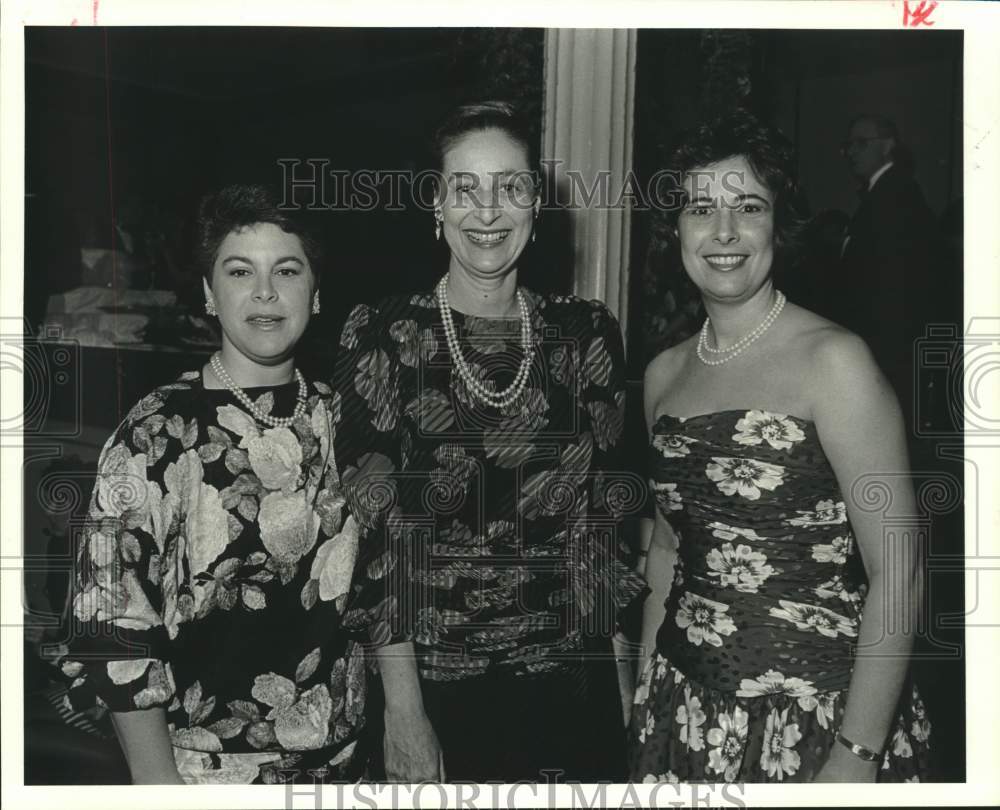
(221, 577)
(754, 656)
(504, 524)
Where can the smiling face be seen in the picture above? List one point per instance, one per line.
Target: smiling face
(263, 286)
(726, 230)
(489, 203)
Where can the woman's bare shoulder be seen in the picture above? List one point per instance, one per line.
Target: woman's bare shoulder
(833, 360)
(823, 342)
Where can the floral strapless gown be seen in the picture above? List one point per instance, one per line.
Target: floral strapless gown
(749, 679)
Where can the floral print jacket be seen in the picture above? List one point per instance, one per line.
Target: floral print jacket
(501, 525)
(221, 577)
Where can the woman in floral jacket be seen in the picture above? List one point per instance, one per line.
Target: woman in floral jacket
(220, 593)
(487, 422)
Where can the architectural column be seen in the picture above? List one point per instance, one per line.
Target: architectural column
(587, 131)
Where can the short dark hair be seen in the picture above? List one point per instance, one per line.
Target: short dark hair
(768, 153)
(238, 206)
(481, 116)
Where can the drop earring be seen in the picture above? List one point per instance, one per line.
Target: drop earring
(210, 305)
(315, 306)
(438, 217)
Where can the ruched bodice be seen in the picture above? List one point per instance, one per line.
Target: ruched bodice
(768, 577)
(750, 678)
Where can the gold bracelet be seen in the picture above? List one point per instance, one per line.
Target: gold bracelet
(859, 750)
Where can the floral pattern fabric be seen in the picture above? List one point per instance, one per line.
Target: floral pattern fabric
(221, 577)
(496, 520)
(755, 652)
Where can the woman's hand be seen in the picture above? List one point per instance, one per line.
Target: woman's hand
(411, 748)
(843, 766)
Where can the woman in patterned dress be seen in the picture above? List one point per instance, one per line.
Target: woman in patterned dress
(494, 420)
(773, 432)
(218, 614)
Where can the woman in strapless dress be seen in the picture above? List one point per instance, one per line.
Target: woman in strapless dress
(770, 430)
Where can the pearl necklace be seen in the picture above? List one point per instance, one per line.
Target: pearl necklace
(743, 343)
(241, 395)
(486, 393)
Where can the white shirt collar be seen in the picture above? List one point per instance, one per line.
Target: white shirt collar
(874, 178)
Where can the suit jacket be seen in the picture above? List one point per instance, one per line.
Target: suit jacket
(887, 268)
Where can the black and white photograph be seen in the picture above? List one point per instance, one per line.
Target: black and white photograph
(440, 412)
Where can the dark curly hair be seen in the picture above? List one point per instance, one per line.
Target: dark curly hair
(768, 153)
(237, 206)
(481, 116)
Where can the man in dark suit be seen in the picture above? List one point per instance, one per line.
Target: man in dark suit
(888, 255)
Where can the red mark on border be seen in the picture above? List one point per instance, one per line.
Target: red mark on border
(912, 18)
(75, 22)
(96, 3)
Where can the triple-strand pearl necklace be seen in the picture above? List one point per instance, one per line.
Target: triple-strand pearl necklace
(241, 395)
(727, 354)
(486, 393)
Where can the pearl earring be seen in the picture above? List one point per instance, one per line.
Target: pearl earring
(210, 305)
(315, 306)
